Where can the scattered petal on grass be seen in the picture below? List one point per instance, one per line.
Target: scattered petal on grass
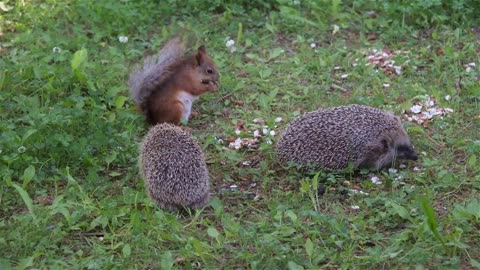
(313, 45)
(447, 97)
(376, 180)
(237, 132)
(392, 170)
(354, 191)
(123, 39)
(386, 85)
(336, 29)
(233, 187)
(344, 76)
(272, 132)
(427, 110)
(355, 207)
(402, 166)
(256, 134)
(381, 60)
(416, 108)
(278, 119)
(230, 43)
(416, 169)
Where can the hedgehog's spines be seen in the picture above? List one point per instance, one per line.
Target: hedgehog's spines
(174, 168)
(336, 137)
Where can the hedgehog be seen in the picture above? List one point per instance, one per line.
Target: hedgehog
(340, 137)
(174, 169)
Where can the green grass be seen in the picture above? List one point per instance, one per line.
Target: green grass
(70, 192)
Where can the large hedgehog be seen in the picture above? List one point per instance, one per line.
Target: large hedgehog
(334, 138)
(174, 168)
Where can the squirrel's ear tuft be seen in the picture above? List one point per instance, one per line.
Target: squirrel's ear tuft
(200, 54)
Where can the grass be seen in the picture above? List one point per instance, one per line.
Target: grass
(70, 191)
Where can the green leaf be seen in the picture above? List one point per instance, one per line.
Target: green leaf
(309, 247)
(431, 219)
(126, 250)
(275, 53)
(475, 263)
(212, 232)
(294, 266)
(79, 57)
(401, 211)
(291, 215)
(166, 261)
(120, 101)
(28, 175)
(472, 161)
(27, 134)
(26, 199)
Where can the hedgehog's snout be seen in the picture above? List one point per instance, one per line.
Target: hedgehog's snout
(406, 152)
(413, 156)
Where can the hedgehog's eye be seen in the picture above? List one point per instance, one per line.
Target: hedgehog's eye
(403, 148)
(209, 70)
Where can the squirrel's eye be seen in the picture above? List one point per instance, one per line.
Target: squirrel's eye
(209, 70)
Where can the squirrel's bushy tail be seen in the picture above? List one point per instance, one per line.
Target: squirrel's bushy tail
(155, 71)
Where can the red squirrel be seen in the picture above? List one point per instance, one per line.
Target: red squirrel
(168, 84)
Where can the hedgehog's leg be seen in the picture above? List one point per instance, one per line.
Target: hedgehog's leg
(202, 202)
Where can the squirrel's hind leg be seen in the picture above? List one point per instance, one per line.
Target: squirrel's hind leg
(160, 112)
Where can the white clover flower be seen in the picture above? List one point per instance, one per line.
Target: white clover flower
(246, 163)
(447, 97)
(430, 103)
(355, 207)
(123, 39)
(416, 108)
(468, 69)
(230, 43)
(386, 85)
(237, 131)
(21, 149)
(278, 119)
(56, 50)
(272, 133)
(416, 169)
(313, 45)
(100, 238)
(256, 134)
(376, 180)
(392, 170)
(344, 76)
(265, 131)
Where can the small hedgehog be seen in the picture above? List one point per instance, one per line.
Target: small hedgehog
(334, 138)
(174, 168)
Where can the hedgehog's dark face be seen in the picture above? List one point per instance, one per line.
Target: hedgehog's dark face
(405, 151)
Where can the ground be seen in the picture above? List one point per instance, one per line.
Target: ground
(70, 189)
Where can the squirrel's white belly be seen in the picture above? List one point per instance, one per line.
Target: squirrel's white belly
(187, 99)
